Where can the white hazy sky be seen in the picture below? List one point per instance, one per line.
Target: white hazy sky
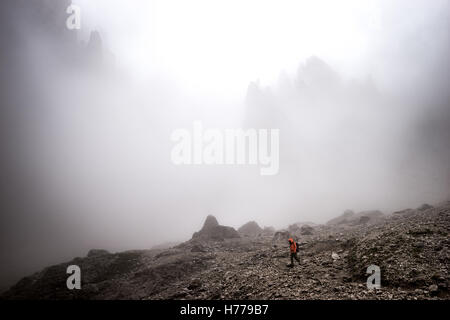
(219, 46)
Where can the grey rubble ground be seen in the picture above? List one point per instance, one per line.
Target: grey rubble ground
(411, 247)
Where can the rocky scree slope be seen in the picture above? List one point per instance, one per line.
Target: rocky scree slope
(411, 247)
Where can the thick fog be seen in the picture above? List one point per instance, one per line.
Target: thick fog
(358, 89)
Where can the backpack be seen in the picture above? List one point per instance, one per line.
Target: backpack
(296, 247)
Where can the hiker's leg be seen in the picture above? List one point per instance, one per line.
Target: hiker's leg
(292, 258)
(296, 257)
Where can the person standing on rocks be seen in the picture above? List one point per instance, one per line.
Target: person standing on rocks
(293, 249)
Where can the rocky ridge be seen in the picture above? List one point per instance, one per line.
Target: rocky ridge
(410, 247)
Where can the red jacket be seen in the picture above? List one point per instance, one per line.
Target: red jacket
(293, 245)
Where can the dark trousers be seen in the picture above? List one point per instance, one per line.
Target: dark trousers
(294, 256)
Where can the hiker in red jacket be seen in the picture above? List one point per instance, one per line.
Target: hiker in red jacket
(293, 249)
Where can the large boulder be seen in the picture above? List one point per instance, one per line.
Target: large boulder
(250, 229)
(211, 230)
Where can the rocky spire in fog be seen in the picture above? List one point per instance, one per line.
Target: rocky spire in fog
(211, 230)
(210, 222)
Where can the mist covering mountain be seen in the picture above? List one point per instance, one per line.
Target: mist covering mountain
(86, 152)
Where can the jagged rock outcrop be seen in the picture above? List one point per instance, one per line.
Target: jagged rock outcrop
(210, 222)
(211, 230)
(251, 229)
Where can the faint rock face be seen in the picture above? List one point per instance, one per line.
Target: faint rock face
(94, 46)
(165, 245)
(348, 213)
(269, 231)
(424, 207)
(294, 228)
(42, 17)
(213, 231)
(342, 218)
(281, 236)
(306, 230)
(250, 229)
(364, 217)
(370, 214)
(335, 256)
(97, 252)
(403, 213)
(316, 73)
(363, 220)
